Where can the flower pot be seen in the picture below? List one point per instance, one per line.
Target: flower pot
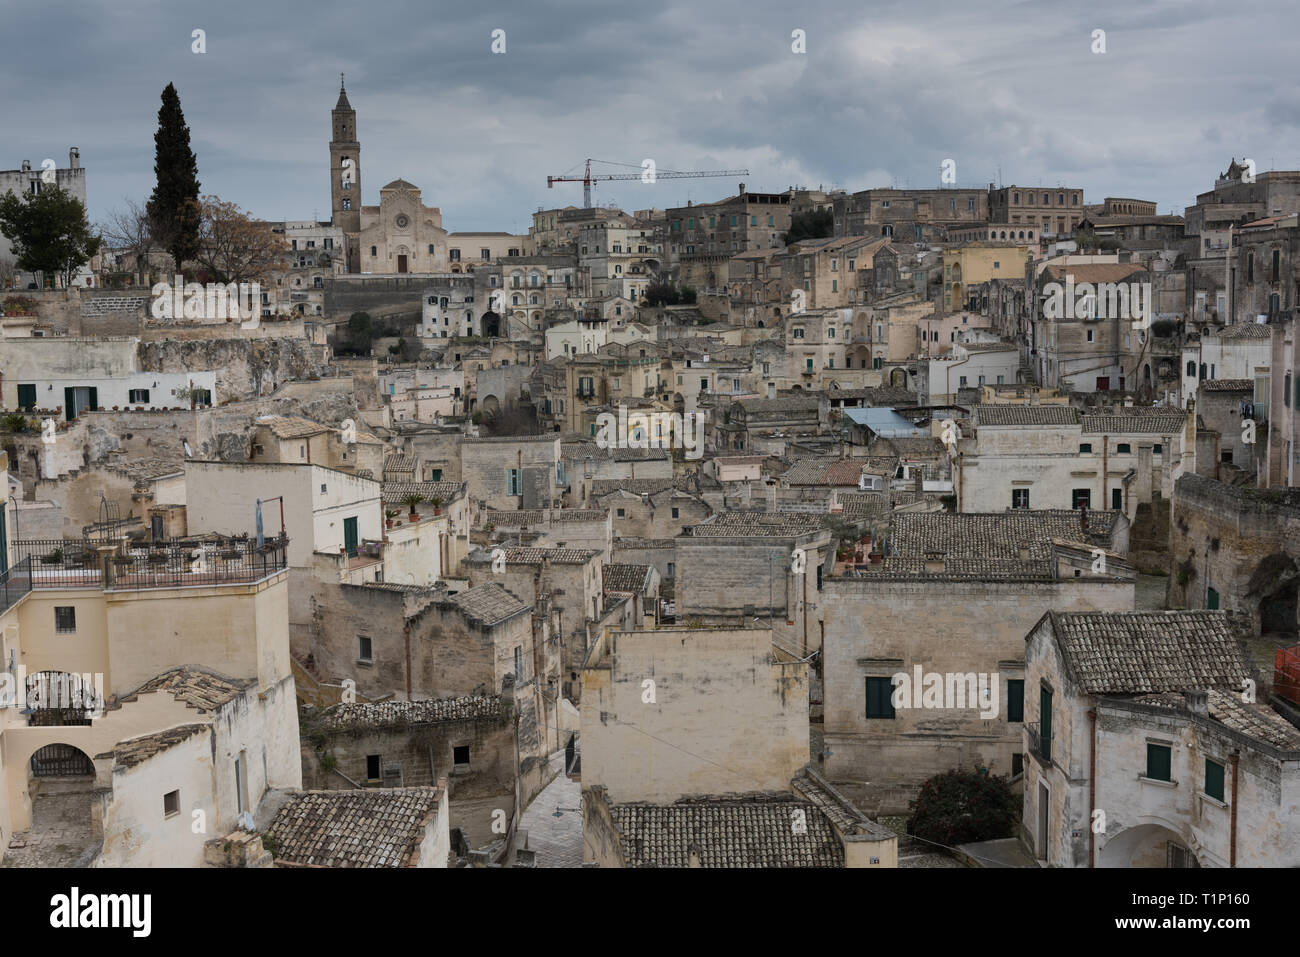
(388, 523)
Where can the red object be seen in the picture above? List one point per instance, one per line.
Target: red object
(1286, 673)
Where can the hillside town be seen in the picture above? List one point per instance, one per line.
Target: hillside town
(942, 527)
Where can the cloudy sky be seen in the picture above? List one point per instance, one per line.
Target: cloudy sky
(886, 91)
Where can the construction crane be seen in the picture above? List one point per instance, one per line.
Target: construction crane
(648, 174)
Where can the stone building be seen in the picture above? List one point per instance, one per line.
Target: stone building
(950, 603)
(28, 181)
(399, 827)
(1052, 210)
(466, 744)
(1237, 548)
(1149, 748)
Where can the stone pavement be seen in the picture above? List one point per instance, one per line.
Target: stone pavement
(557, 841)
(60, 835)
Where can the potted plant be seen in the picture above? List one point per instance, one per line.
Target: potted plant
(390, 515)
(436, 501)
(411, 501)
(53, 558)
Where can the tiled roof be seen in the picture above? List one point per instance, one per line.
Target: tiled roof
(535, 556)
(601, 487)
(399, 462)
(974, 569)
(386, 714)
(145, 469)
(727, 833)
(372, 827)
(291, 426)
(489, 603)
(1152, 651)
(518, 518)
(754, 525)
(837, 808)
(906, 446)
(1228, 385)
(1092, 272)
(194, 687)
(133, 751)
(1026, 415)
(394, 492)
(1246, 330)
(626, 578)
(989, 346)
(1255, 719)
(787, 404)
(993, 535)
(1168, 424)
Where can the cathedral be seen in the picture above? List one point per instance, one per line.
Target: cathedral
(401, 234)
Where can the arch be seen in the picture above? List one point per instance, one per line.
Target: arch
(898, 379)
(1275, 582)
(59, 760)
(1145, 845)
(490, 323)
(490, 405)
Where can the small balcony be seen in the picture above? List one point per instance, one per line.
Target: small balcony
(1038, 747)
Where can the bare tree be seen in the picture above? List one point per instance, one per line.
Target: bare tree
(8, 272)
(129, 229)
(234, 247)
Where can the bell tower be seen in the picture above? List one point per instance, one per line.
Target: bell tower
(345, 165)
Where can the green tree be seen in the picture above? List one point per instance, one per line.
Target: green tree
(49, 232)
(958, 807)
(361, 333)
(174, 209)
(817, 224)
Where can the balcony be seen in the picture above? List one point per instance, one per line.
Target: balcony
(15, 582)
(1039, 748)
(121, 564)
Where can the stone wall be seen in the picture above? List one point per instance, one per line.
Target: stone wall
(244, 367)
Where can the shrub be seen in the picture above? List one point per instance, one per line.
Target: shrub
(959, 807)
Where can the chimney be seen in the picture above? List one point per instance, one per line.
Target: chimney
(934, 562)
(742, 189)
(74, 158)
(1198, 702)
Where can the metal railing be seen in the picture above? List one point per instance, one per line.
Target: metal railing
(1037, 746)
(81, 563)
(15, 582)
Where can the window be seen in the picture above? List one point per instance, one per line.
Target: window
(172, 801)
(677, 513)
(1085, 447)
(1081, 498)
(460, 757)
(365, 650)
(1158, 450)
(519, 663)
(880, 698)
(1045, 723)
(1015, 700)
(1090, 335)
(374, 250)
(1020, 498)
(65, 620)
(1158, 762)
(797, 332)
(1213, 779)
(137, 396)
(1277, 254)
(513, 484)
(1017, 765)
(620, 513)
(1123, 449)
(372, 767)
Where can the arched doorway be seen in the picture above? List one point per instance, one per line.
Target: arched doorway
(63, 830)
(898, 378)
(1148, 845)
(491, 325)
(1276, 581)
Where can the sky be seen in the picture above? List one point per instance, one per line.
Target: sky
(885, 92)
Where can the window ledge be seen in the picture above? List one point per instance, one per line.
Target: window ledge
(368, 662)
(1212, 800)
(1153, 781)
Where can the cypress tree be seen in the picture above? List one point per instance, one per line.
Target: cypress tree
(174, 206)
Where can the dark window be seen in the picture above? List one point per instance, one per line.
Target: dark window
(364, 651)
(1020, 498)
(138, 396)
(460, 756)
(1081, 497)
(1277, 260)
(1045, 722)
(172, 800)
(1123, 449)
(621, 513)
(27, 397)
(1017, 764)
(1085, 446)
(676, 513)
(1015, 699)
(880, 698)
(65, 620)
(1214, 779)
(1158, 762)
(372, 767)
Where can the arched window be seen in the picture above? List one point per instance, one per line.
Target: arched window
(1191, 368)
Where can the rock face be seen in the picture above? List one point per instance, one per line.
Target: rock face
(245, 367)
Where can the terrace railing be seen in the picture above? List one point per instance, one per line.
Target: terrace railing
(81, 563)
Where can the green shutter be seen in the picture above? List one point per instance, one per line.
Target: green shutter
(27, 397)
(350, 537)
(1015, 700)
(1214, 779)
(1045, 721)
(94, 397)
(1158, 762)
(880, 698)
(69, 403)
